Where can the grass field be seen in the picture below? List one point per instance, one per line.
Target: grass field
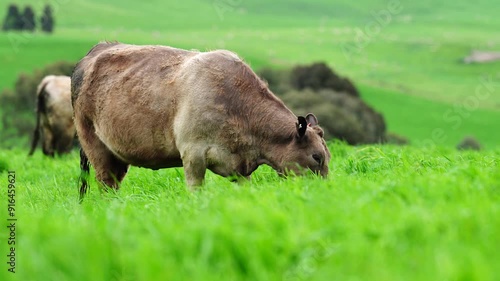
(385, 213)
(419, 212)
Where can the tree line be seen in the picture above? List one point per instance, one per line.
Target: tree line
(26, 20)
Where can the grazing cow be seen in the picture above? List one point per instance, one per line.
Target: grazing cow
(160, 107)
(54, 116)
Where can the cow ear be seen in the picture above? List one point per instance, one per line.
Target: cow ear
(301, 126)
(311, 119)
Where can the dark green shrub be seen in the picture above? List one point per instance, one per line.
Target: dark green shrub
(13, 20)
(341, 116)
(319, 76)
(28, 19)
(469, 143)
(278, 80)
(47, 21)
(333, 99)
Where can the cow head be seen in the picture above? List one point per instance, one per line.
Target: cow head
(308, 149)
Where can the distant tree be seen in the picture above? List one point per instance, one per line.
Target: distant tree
(469, 143)
(47, 21)
(334, 99)
(341, 116)
(319, 76)
(28, 19)
(13, 20)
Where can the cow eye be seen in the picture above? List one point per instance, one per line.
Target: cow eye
(318, 158)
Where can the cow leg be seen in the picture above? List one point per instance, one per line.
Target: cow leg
(227, 164)
(194, 162)
(63, 144)
(48, 141)
(109, 170)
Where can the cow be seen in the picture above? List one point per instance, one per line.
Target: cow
(160, 107)
(54, 116)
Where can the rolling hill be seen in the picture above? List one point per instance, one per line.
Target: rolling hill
(406, 56)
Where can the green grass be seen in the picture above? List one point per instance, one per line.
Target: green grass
(433, 123)
(385, 213)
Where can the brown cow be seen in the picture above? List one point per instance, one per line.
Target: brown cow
(161, 107)
(54, 116)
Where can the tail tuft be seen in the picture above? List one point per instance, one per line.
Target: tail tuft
(85, 171)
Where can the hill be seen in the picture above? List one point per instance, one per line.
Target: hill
(408, 49)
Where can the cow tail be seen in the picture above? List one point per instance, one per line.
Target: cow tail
(85, 170)
(40, 108)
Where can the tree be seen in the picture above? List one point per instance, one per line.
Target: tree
(319, 76)
(47, 21)
(28, 19)
(13, 20)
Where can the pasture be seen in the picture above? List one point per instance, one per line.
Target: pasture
(386, 213)
(407, 65)
(419, 212)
